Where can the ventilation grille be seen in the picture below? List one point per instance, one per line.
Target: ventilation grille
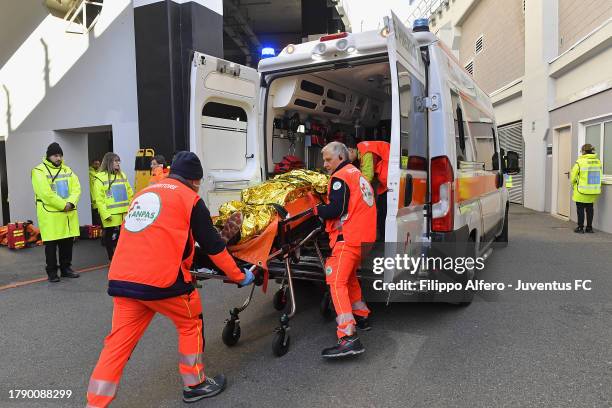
(478, 45)
(470, 67)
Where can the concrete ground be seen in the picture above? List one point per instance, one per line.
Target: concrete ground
(28, 264)
(508, 349)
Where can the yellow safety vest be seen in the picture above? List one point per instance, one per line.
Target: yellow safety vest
(113, 194)
(53, 188)
(589, 175)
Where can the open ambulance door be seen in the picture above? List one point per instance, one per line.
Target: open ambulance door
(223, 127)
(408, 159)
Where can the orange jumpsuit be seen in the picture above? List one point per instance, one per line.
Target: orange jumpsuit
(346, 235)
(150, 274)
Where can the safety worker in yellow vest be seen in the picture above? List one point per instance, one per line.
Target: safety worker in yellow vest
(113, 194)
(150, 274)
(57, 191)
(350, 221)
(586, 181)
(93, 169)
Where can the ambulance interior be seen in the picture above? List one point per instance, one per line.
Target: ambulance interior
(305, 112)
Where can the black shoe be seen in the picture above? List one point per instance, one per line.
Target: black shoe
(363, 323)
(69, 273)
(347, 346)
(579, 230)
(54, 278)
(209, 388)
(589, 230)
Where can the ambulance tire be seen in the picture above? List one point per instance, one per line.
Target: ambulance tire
(469, 295)
(502, 239)
(231, 333)
(280, 344)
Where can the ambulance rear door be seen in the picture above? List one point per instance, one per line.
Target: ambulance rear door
(408, 161)
(224, 127)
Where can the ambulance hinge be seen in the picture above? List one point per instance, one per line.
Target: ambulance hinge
(226, 67)
(432, 102)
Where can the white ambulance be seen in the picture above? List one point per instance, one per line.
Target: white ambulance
(445, 179)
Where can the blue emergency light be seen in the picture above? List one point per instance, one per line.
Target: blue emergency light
(267, 52)
(420, 24)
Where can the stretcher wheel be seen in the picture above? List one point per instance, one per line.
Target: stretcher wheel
(325, 307)
(279, 301)
(231, 333)
(281, 342)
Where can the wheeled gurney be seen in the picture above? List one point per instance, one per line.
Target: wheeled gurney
(290, 238)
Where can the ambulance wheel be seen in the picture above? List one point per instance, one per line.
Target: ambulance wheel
(280, 344)
(231, 333)
(279, 301)
(325, 307)
(502, 239)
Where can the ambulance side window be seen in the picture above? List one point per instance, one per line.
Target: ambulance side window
(413, 130)
(463, 146)
(479, 124)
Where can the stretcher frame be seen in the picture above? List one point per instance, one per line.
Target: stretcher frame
(287, 249)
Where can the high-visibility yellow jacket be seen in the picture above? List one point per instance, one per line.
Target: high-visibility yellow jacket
(92, 175)
(586, 179)
(113, 194)
(54, 186)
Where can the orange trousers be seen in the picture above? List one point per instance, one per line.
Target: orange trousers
(130, 320)
(341, 276)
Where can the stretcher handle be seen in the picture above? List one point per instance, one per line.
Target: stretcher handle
(299, 215)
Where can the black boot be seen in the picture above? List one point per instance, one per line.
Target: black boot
(347, 346)
(579, 230)
(52, 274)
(363, 323)
(588, 230)
(208, 388)
(69, 273)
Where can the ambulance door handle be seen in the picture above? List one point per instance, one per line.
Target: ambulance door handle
(567, 174)
(250, 156)
(408, 191)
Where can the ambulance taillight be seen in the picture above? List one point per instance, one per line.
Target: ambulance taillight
(442, 194)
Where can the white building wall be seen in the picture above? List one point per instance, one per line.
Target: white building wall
(57, 81)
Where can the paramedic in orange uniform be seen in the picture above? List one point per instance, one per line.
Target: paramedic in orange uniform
(350, 220)
(149, 274)
(159, 170)
(374, 165)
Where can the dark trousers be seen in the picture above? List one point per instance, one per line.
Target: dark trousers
(381, 214)
(65, 255)
(110, 236)
(95, 217)
(581, 208)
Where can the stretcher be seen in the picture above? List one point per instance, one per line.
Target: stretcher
(292, 237)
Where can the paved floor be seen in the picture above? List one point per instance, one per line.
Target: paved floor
(27, 264)
(508, 349)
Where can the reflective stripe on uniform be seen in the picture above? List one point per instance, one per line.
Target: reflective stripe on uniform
(345, 318)
(191, 359)
(101, 387)
(349, 330)
(121, 204)
(119, 180)
(192, 379)
(59, 176)
(360, 305)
